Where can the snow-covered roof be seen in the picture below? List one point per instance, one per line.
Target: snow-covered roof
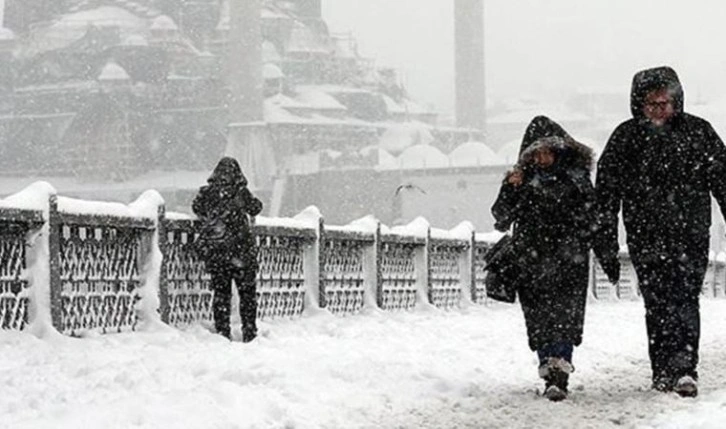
(399, 136)
(392, 106)
(318, 99)
(422, 156)
(471, 154)
(135, 40)
(305, 39)
(101, 16)
(73, 26)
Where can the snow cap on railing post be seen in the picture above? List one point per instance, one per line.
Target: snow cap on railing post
(149, 205)
(312, 259)
(44, 312)
(421, 227)
(371, 262)
(466, 231)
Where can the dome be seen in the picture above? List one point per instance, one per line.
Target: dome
(509, 153)
(471, 154)
(271, 71)
(423, 156)
(113, 72)
(6, 34)
(163, 22)
(400, 136)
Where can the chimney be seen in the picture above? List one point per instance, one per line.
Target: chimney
(469, 63)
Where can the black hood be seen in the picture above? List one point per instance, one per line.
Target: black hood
(543, 131)
(539, 127)
(227, 172)
(654, 79)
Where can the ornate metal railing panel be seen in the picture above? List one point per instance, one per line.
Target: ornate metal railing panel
(188, 289)
(397, 286)
(281, 279)
(342, 276)
(445, 272)
(14, 288)
(99, 272)
(479, 294)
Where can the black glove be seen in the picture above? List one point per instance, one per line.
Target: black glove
(611, 266)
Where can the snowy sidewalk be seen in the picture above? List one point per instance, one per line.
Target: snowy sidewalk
(461, 369)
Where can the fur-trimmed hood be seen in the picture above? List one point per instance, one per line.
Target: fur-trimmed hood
(544, 132)
(227, 172)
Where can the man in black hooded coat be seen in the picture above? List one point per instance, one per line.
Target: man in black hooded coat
(231, 254)
(551, 205)
(661, 167)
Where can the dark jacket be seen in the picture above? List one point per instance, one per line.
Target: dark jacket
(227, 198)
(662, 177)
(553, 216)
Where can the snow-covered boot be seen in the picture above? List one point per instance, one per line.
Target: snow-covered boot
(556, 373)
(686, 386)
(663, 383)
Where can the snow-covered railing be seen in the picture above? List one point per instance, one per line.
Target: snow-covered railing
(80, 266)
(97, 256)
(16, 228)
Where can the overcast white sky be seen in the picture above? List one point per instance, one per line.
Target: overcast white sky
(544, 47)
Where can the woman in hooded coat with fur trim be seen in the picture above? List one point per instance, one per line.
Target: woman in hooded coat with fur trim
(549, 199)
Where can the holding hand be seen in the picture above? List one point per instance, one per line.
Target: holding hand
(515, 176)
(611, 266)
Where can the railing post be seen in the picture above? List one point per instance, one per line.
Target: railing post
(468, 274)
(164, 305)
(372, 271)
(312, 260)
(422, 265)
(54, 254)
(322, 298)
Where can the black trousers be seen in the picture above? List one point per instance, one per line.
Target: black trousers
(244, 280)
(671, 289)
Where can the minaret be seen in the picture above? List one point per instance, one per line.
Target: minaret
(247, 138)
(244, 61)
(469, 63)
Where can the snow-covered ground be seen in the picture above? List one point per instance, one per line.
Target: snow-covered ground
(468, 368)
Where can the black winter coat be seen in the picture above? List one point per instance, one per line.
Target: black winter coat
(553, 216)
(663, 178)
(227, 197)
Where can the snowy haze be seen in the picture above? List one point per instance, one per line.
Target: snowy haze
(544, 48)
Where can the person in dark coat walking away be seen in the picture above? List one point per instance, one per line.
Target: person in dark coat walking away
(661, 167)
(227, 245)
(549, 198)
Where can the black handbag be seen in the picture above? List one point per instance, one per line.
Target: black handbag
(502, 271)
